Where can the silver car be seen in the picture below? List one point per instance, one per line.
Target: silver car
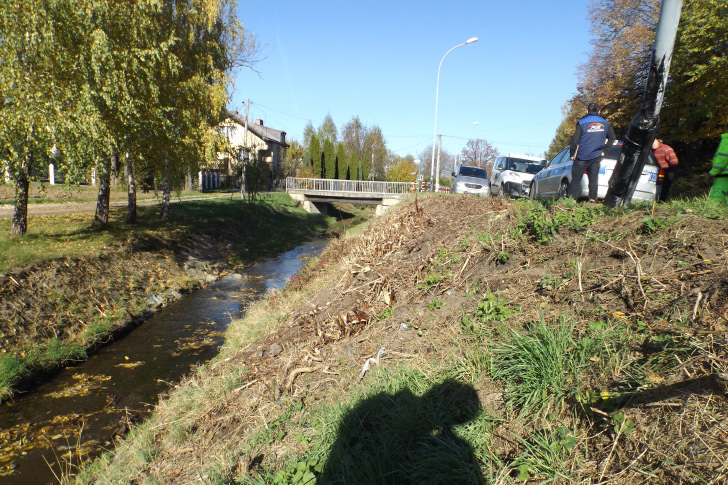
(470, 180)
(553, 180)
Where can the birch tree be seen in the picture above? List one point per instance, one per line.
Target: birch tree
(28, 95)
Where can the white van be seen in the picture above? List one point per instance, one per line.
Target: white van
(512, 174)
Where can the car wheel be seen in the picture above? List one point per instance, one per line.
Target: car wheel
(563, 189)
(531, 190)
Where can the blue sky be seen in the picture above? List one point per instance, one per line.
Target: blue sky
(379, 59)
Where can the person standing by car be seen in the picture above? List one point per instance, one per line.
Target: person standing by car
(719, 170)
(667, 161)
(593, 136)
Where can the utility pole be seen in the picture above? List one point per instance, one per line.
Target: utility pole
(245, 135)
(371, 167)
(642, 129)
(437, 171)
(245, 154)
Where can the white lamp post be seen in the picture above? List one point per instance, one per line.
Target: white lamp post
(436, 174)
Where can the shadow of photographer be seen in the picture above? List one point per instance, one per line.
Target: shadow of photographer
(403, 438)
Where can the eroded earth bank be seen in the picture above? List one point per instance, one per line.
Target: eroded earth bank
(482, 340)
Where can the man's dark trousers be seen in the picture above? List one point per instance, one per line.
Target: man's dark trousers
(666, 183)
(591, 167)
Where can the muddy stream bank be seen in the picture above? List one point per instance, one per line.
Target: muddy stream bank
(78, 413)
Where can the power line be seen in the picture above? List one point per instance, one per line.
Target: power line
(283, 112)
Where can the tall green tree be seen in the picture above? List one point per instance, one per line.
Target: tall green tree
(307, 169)
(192, 91)
(293, 160)
(329, 159)
(101, 79)
(354, 167)
(342, 163)
(376, 147)
(353, 136)
(328, 131)
(308, 130)
(314, 151)
(369, 145)
(364, 168)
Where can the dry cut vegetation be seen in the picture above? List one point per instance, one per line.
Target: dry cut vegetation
(468, 340)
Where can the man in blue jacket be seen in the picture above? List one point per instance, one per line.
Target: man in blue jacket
(592, 138)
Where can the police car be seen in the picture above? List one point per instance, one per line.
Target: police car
(553, 180)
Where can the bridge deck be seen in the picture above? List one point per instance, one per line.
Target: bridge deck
(355, 189)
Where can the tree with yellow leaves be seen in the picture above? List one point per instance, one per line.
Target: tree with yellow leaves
(29, 95)
(696, 99)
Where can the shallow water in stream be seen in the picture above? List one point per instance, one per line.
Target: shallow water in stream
(80, 410)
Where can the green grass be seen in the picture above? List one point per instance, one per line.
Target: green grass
(541, 220)
(42, 355)
(544, 454)
(271, 225)
(12, 369)
(43, 193)
(541, 367)
(419, 422)
(404, 427)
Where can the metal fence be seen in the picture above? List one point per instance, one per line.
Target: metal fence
(354, 186)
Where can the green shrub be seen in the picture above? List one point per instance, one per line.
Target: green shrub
(537, 224)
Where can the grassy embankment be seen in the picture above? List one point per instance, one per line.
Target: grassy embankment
(546, 381)
(44, 193)
(70, 283)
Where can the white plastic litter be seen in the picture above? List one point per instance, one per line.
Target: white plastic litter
(371, 361)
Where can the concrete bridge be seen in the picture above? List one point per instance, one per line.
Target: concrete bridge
(316, 193)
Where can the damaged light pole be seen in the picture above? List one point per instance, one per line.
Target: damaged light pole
(436, 185)
(642, 129)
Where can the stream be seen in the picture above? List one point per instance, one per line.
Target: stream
(77, 414)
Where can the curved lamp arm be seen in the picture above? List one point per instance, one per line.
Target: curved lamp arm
(437, 92)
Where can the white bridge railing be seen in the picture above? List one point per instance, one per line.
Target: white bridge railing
(349, 186)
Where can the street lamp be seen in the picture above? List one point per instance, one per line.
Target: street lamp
(434, 174)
